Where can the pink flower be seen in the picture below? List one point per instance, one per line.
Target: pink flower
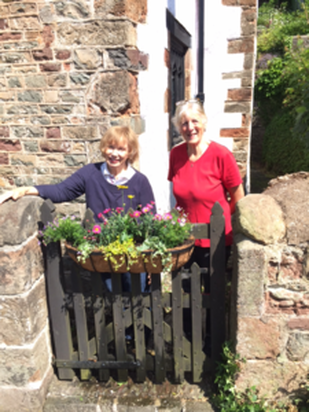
(136, 213)
(181, 221)
(106, 211)
(152, 202)
(119, 209)
(96, 229)
(149, 206)
(145, 209)
(167, 216)
(157, 217)
(100, 215)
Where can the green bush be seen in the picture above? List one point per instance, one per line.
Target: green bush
(283, 151)
(282, 90)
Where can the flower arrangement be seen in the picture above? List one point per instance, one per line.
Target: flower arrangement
(123, 237)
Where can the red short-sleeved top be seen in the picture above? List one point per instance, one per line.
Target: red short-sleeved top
(198, 185)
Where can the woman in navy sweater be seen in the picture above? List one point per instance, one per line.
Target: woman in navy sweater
(100, 181)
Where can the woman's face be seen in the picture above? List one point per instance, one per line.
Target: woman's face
(116, 156)
(192, 127)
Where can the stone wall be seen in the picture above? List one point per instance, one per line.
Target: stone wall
(68, 71)
(271, 288)
(25, 353)
(239, 100)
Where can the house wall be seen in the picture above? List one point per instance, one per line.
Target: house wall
(68, 71)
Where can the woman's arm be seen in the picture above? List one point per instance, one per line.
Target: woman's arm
(18, 192)
(236, 193)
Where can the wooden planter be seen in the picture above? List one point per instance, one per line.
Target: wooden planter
(146, 263)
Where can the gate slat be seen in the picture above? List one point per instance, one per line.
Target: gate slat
(158, 336)
(119, 326)
(59, 318)
(80, 318)
(177, 326)
(100, 323)
(196, 320)
(217, 283)
(138, 324)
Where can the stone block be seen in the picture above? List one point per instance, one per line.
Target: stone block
(24, 316)
(10, 145)
(20, 366)
(273, 379)
(237, 107)
(53, 133)
(51, 96)
(128, 59)
(27, 261)
(45, 54)
(75, 9)
(57, 80)
(290, 193)
(25, 23)
(15, 82)
(22, 214)
(10, 36)
(299, 323)
(87, 59)
(80, 132)
(244, 45)
(115, 92)
(250, 263)
(55, 146)
(30, 96)
(298, 347)
(28, 131)
(22, 109)
(4, 159)
(70, 97)
(63, 54)
(237, 132)
(31, 146)
(258, 338)
(260, 218)
(133, 9)
(43, 120)
(57, 109)
(23, 160)
(48, 35)
(23, 8)
(7, 96)
(75, 160)
(239, 94)
(98, 33)
(80, 79)
(4, 131)
(50, 67)
(26, 399)
(37, 81)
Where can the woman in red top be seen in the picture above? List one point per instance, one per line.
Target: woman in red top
(202, 172)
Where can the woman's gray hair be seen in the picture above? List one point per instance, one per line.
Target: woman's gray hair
(183, 107)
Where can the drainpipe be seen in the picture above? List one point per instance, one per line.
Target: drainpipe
(200, 51)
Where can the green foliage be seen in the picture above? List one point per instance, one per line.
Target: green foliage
(281, 89)
(123, 234)
(227, 398)
(64, 228)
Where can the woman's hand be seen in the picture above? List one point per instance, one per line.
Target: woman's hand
(17, 193)
(236, 194)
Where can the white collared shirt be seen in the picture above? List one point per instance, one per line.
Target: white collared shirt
(122, 178)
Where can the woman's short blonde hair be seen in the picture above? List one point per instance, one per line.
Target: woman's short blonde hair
(183, 107)
(118, 135)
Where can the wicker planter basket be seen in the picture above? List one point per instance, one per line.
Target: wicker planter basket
(97, 262)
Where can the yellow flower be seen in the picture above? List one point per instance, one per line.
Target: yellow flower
(122, 187)
(131, 196)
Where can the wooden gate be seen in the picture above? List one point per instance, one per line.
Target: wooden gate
(91, 327)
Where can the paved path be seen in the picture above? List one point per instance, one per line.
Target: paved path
(79, 396)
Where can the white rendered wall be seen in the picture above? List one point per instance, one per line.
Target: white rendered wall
(221, 23)
(153, 83)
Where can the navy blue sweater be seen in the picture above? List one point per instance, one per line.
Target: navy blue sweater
(100, 194)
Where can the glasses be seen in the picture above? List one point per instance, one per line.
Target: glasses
(182, 102)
